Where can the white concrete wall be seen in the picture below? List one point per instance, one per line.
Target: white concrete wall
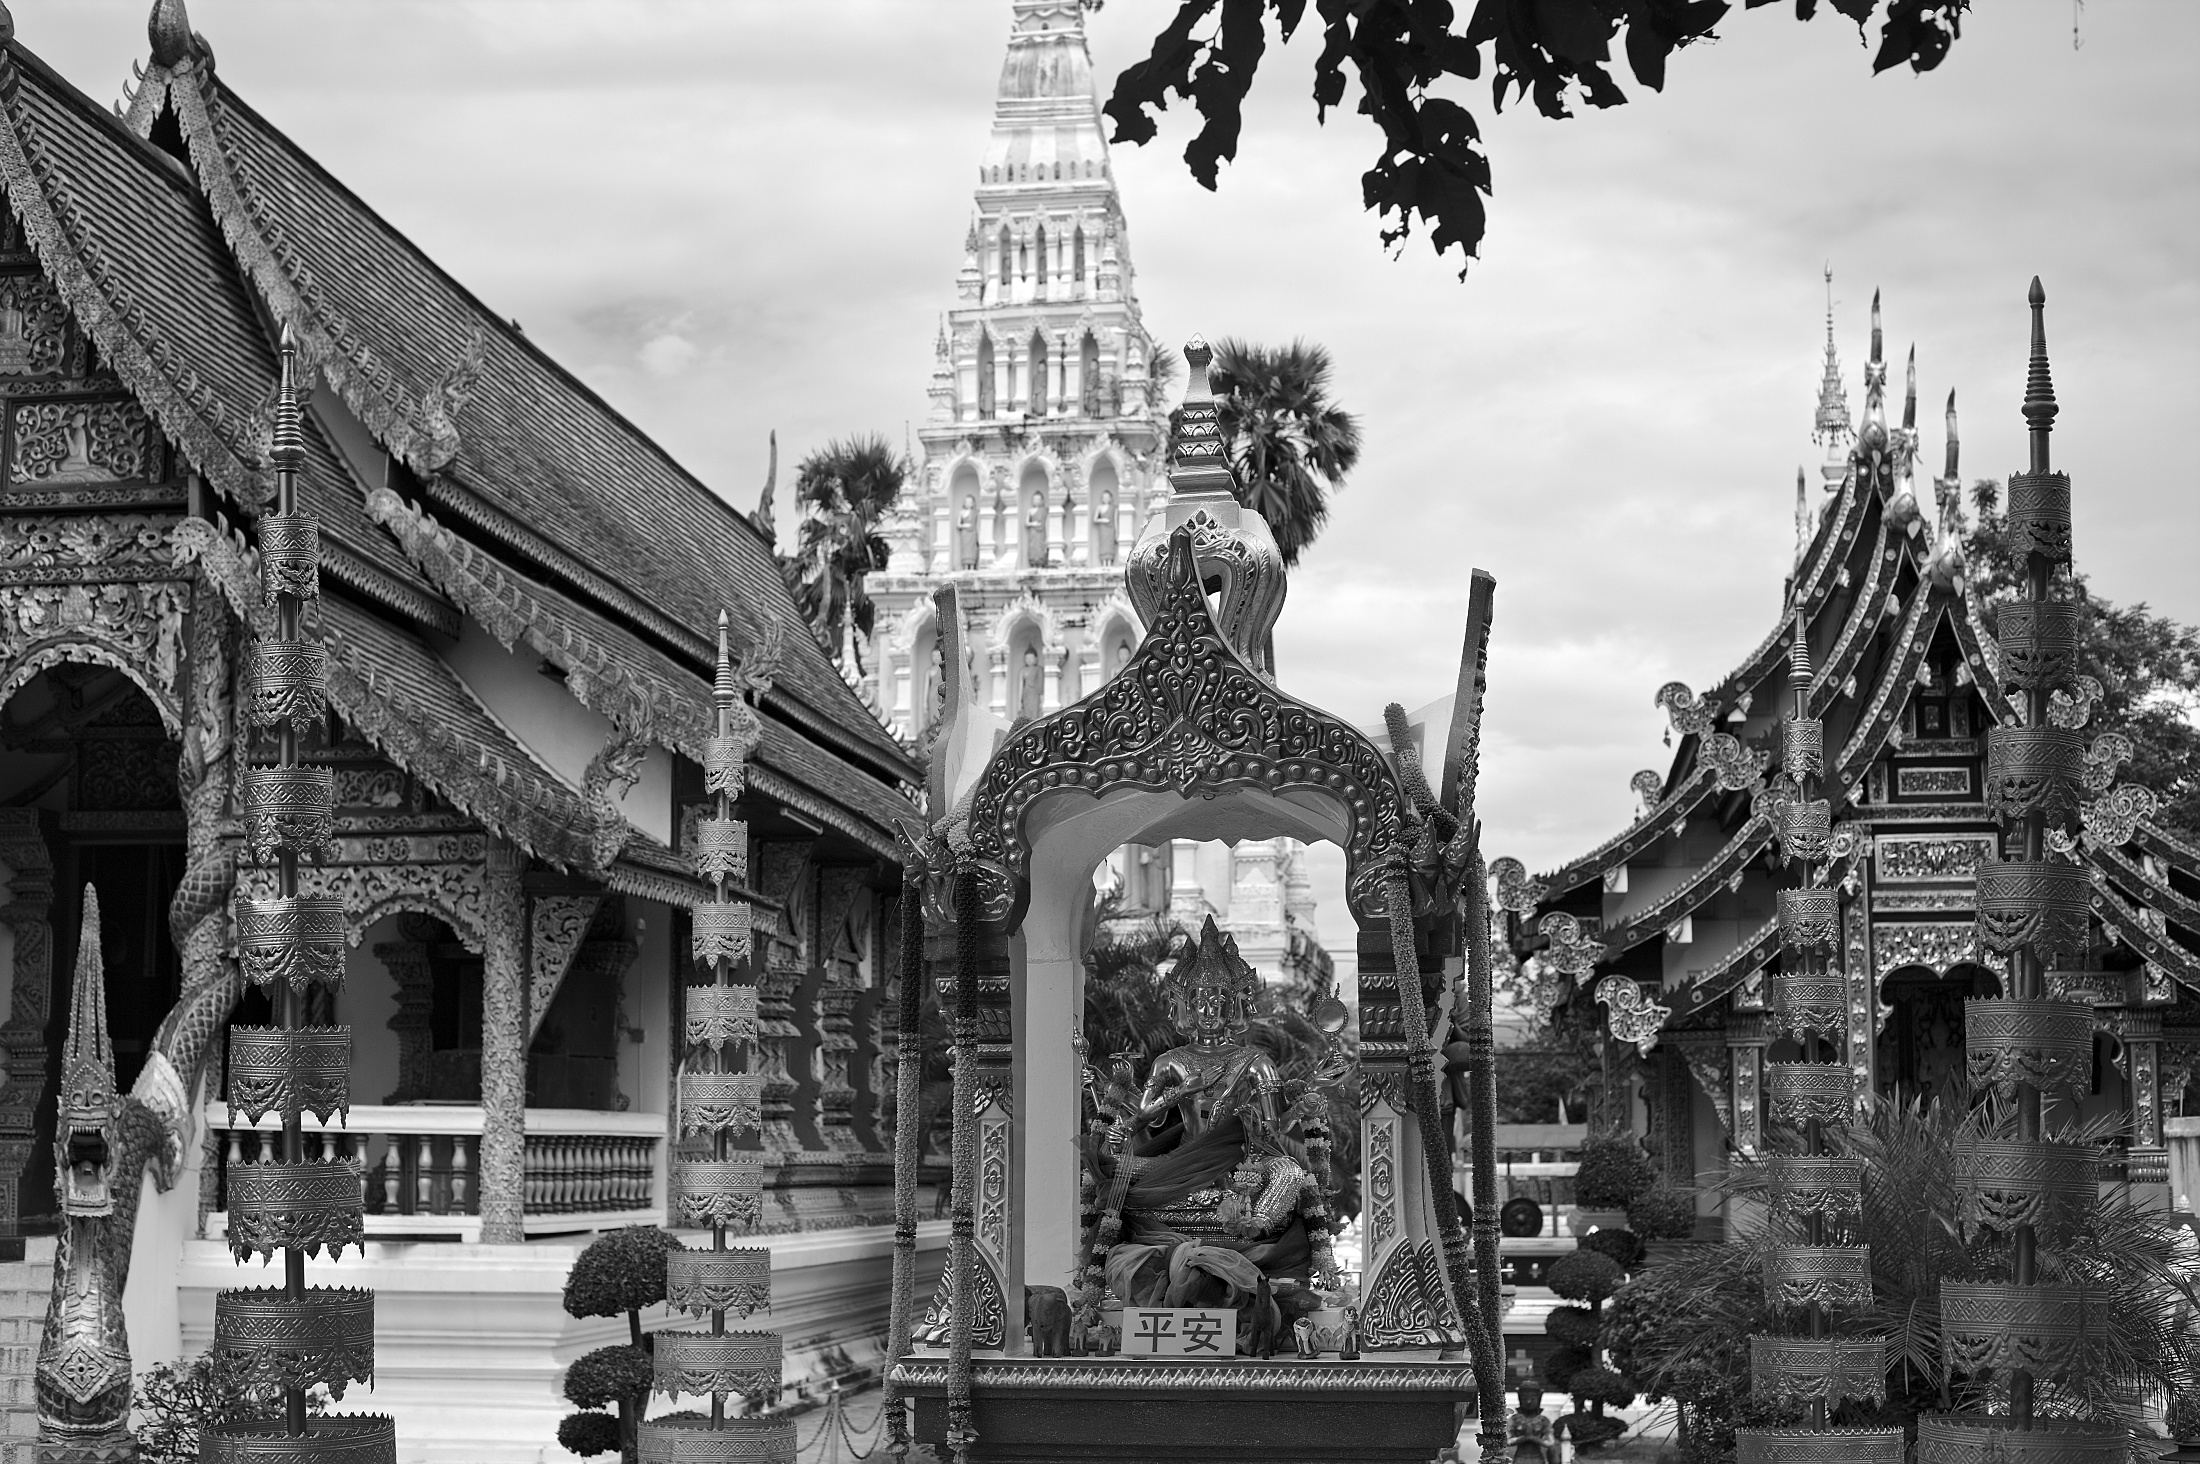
(542, 714)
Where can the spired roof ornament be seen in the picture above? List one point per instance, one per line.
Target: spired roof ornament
(1236, 554)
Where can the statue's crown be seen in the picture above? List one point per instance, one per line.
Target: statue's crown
(1214, 961)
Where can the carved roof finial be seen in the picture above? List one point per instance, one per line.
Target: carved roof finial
(1799, 672)
(1198, 462)
(1909, 398)
(763, 520)
(7, 24)
(1877, 354)
(287, 451)
(1802, 515)
(169, 30)
(2039, 384)
(723, 690)
(1949, 477)
(1831, 428)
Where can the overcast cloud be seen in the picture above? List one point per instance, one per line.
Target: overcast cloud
(734, 217)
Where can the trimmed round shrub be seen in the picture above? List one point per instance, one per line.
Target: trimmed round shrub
(1559, 1368)
(607, 1377)
(1613, 1171)
(589, 1433)
(620, 1272)
(1585, 1275)
(1620, 1245)
(1572, 1326)
(1663, 1212)
(1590, 1430)
(1599, 1386)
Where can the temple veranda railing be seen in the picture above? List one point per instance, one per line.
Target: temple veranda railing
(420, 1166)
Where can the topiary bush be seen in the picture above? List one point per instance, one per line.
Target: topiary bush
(1586, 1276)
(588, 1434)
(1663, 1212)
(1559, 1368)
(1613, 1171)
(1572, 1326)
(1621, 1246)
(617, 1275)
(1596, 1386)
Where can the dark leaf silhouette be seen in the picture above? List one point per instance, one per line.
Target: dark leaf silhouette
(1430, 168)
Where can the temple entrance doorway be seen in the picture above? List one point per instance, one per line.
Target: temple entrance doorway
(87, 791)
(1920, 1051)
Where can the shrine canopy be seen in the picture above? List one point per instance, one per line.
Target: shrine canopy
(1193, 739)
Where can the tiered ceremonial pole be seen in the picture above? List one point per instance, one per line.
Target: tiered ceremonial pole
(722, 1101)
(2026, 1043)
(291, 1338)
(1819, 1189)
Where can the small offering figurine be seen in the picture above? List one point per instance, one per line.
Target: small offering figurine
(1533, 1440)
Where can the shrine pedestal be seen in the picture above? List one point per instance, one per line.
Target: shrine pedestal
(1049, 1410)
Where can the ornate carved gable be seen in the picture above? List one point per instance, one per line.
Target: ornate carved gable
(1186, 714)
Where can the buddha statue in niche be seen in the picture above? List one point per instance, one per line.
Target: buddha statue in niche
(1202, 1187)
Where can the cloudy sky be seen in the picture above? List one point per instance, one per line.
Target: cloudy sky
(737, 216)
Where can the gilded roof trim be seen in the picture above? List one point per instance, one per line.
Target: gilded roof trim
(1748, 958)
(1870, 735)
(2163, 844)
(2156, 893)
(1640, 835)
(1856, 632)
(2131, 929)
(1684, 899)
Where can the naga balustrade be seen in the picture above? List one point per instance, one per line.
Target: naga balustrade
(420, 1166)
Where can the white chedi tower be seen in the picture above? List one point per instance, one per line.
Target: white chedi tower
(1041, 455)
(1042, 460)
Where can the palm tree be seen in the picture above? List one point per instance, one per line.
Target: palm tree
(1291, 445)
(841, 493)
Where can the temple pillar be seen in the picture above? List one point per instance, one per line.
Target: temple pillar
(1406, 1304)
(1002, 1174)
(23, 1040)
(2147, 1161)
(1746, 1041)
(407, 962)
(997, 660)
(784, 876)
(1050, 694)
(504, 1047)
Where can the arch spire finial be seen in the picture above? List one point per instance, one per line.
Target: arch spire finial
(2039, 382)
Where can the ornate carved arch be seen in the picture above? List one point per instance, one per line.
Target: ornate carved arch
(1026, 606)
(1187, 715)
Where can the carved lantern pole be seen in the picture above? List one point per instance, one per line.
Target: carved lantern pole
(1818, 1271)
(2025, 1043)
(721, 1099)
(289, 1339)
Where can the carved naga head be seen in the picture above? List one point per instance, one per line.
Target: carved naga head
(90, 1109)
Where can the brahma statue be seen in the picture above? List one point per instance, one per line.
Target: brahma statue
(1206, 1185)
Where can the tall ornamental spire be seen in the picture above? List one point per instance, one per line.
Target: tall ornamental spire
(2030, 1046)
(1831, 428)
(720, 1101)
(290, 1339)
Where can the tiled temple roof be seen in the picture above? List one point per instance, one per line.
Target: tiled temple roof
(143, 265)
(498, 433)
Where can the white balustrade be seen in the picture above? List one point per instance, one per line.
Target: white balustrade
(420, 1165)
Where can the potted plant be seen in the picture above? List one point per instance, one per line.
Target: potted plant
(1613, 1171)
(1664, 1215)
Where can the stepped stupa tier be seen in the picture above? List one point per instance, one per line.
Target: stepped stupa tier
(1040, 465)
(1915, 733)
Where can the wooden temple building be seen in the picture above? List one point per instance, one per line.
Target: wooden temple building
(522, 594)
(1669, 926)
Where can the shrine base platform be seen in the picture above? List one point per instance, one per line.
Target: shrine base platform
(1052, 1410)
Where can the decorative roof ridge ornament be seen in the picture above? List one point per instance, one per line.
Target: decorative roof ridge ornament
(168, 28)
(1236, 555)
(1832, 428)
